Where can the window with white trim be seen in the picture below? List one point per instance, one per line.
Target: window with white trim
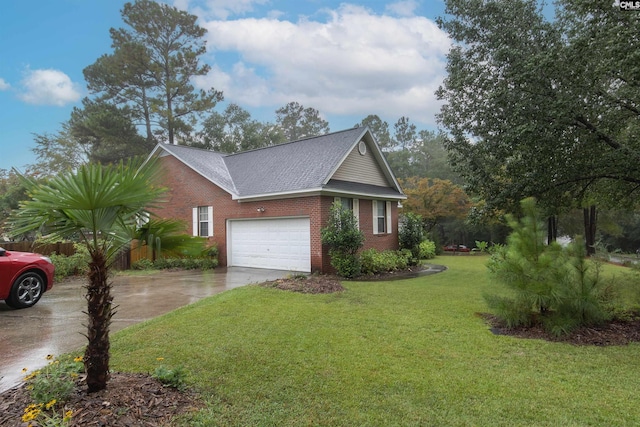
(350, 204)
(203, 221)
(381, 217)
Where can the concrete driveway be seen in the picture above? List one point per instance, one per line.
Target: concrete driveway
(55, 324)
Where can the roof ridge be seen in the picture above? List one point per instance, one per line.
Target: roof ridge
(293, 142)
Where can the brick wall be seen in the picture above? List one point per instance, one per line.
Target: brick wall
(187, 189)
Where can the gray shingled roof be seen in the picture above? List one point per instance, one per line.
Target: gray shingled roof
(304, 165)
(209, 164)
(294, 166)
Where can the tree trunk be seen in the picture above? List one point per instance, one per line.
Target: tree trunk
(590, 222)
(552, 229)
(147, 116)
(96, 356)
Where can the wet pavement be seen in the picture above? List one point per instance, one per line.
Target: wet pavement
(55, 324)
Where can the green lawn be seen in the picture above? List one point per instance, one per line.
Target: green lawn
(399, 353)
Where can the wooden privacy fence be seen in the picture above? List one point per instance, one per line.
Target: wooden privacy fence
(140, 251)
(59, 248)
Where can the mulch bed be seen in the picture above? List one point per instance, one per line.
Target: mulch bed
(132, 400)
(314, 284)
(612, 333)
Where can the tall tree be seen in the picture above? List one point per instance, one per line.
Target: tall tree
(380, 130)
(107, 132)
(101, 205)
(163, 46)
(234, 131)
(298, 122)
(404, 133)
(125, 78)
(524, 120)
(57, 153)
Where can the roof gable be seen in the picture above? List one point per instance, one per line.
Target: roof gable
(294, 168)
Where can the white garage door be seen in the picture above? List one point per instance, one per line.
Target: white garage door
(278, 243)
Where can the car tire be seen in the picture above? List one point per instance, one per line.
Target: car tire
(26, 290)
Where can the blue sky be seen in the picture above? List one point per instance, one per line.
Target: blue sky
(347, 59)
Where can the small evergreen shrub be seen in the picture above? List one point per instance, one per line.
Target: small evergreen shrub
(185, 263)
(346, 264)
(73, 265)
(376, 262)
(427, 249)
(344, 240)
(410, 235)
(558, 288)
(142, 264)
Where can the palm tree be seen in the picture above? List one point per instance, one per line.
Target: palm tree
(100, 205)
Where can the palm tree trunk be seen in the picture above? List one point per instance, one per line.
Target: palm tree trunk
(96, 356)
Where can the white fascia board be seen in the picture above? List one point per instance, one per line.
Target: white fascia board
(338, 164)
(281, 195)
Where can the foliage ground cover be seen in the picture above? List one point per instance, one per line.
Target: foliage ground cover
(409, 352)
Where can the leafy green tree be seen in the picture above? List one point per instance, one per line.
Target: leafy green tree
(411, 235)
(163, 46)
(56, 153)
(12, 192)
(429, 158)
(298, 122)
(102, 206)
(234, 131)
(344, 239)
(524, 120)
(434, 200)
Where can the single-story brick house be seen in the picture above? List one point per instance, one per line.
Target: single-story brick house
(264, 208)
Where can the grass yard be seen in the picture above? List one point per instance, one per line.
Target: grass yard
(401, 353)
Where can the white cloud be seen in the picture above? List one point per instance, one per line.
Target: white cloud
(49, 87)
(220, 9)
(402, 8)
(4, 85)
(354, 62)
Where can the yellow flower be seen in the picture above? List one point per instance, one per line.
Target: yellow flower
(78, 359)
(31, 412)
(50, 404)
(49, 356)
(159, 359)
(24, 370)
(67, 416)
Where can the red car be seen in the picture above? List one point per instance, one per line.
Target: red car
(456, 248)
(24, 277)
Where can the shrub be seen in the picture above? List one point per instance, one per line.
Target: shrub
(346, 264)
(411, 235)
(375, 262)
(344, 240)
(427, 249)
(73, 265)
(185, 263)
(558, 287)
(142, 264)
